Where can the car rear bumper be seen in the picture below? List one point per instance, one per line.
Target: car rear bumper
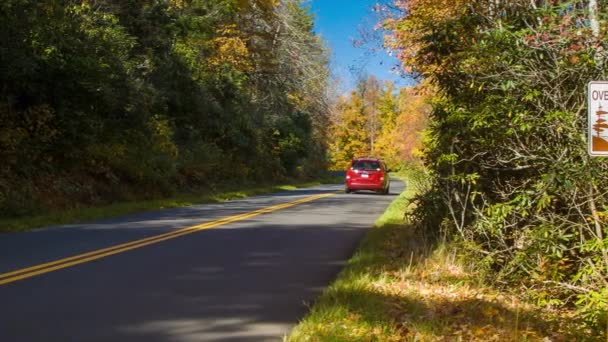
(365, 186)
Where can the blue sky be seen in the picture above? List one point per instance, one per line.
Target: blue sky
(339, 23)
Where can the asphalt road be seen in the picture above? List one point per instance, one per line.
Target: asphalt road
(249, 278)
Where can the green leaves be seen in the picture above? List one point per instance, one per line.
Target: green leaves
(159, 95)
(507, 139)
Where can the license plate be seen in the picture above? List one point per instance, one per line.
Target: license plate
(365, 175)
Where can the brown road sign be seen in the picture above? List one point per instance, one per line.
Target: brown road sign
(597, 105)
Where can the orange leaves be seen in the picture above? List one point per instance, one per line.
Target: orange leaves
(401, 135)
(439, 10)
(414, 111)
(416, 34)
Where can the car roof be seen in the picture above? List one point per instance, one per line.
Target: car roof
(367, 159)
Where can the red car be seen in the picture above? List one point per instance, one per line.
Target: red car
(367, 174)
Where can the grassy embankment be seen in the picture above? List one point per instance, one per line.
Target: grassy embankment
(81, 214)
(403, 286)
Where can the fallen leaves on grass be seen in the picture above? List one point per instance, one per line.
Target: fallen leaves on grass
(436, 300)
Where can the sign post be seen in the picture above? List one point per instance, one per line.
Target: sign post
(597, 105)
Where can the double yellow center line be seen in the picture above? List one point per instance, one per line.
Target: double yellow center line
(29, 272)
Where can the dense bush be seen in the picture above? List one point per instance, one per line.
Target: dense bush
(507, 144)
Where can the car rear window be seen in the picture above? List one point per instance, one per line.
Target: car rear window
(366, 165)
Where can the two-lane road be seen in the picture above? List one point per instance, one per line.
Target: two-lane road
(243, 270)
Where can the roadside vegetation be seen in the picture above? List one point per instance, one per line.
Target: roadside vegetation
(407, 284)
(111, 100)
(506, 147)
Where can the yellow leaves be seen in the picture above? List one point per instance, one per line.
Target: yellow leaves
(423, 18)
(163, 136)
(602, 215)
(230, 49)
(177, 3)
(405, 137)
(395, 123)
(350, 137)
(490, 311)
(296, 99)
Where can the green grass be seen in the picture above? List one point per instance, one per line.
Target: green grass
(350, 309)
(403, 286)
(76, 215)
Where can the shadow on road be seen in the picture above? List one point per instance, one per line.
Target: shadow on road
(250, 281)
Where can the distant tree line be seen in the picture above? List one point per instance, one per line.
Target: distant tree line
(103, 100)
(377, 120)
(507, 143)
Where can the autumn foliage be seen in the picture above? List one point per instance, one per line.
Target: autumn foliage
(380, 121)
(507, 141)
